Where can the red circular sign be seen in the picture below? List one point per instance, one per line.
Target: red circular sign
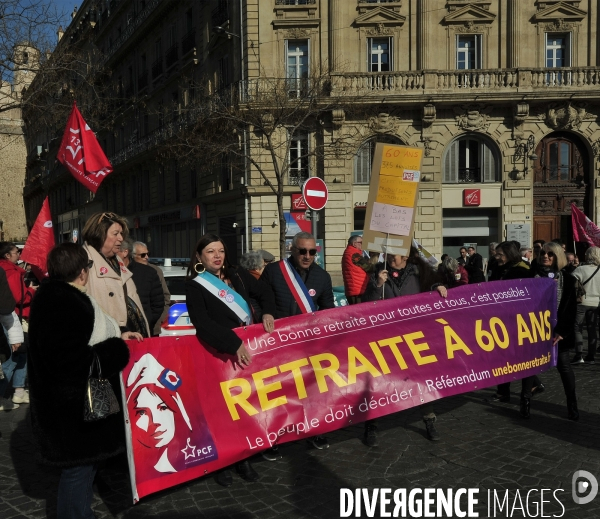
(315, 193)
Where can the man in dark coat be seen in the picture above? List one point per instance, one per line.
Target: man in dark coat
(474, 266)
(147, 284)
(318, 284)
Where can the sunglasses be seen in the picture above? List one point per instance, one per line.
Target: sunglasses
(142, 254)
(107, 216)
(90, 264)
(549, 253)
(303, 252)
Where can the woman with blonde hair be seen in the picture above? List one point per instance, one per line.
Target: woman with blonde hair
(587, 311)
(110, 282)
(551, 262)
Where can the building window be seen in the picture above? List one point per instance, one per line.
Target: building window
(298, 159)
(560, 161)
(297, 66)
(223, 78)
(380, 55)
(193, 184)
(470, 160)
(558, 54)
(468, 52)
(363, 160)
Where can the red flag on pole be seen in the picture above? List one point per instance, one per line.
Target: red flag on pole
(81, 153)
(40, 241)
(583, 228)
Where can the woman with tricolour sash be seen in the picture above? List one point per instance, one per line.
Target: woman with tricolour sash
(217, 296)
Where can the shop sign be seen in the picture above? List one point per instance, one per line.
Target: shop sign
(298, 203)
(472, 196)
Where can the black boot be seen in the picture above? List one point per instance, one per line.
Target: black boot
(223, 478)
(432, 433)
(245, 470)
(525, 407)
(370, 438)
(572, 409)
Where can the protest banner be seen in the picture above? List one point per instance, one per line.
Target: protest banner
(393, 190)
(190, 411)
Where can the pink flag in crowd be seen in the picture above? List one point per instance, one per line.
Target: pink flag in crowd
(40, 242)
(583, 228)
(81, 153)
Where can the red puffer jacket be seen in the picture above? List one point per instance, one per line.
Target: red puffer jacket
(15, 276)
(355, 278)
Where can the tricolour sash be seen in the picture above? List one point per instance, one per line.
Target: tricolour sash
(297, 287)
(226, 294)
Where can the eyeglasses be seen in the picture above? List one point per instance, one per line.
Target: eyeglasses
(107, 216)
(142, 254)
(303, 252)
(90, 264)
(548, 253)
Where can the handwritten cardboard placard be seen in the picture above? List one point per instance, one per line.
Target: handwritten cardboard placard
(389, 220)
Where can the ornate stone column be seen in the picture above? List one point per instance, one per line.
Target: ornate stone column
(513, 34)
(336, 40)
(423, 17)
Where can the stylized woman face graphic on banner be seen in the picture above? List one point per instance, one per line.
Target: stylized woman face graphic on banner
(164, 437)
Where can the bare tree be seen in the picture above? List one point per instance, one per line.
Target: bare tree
(262, 126)
(28, 31)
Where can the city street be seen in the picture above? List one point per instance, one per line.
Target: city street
(483, 445)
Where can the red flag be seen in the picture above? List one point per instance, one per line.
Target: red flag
(583, 228)
(81, 153)
(40, 241)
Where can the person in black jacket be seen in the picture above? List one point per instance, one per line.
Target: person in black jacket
(147, 284)
(551, 264)
(316, 286)
(66, 328)
(218, 300)
(316, 280)
(474, 266)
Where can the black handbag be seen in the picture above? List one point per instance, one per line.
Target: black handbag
(100, 399)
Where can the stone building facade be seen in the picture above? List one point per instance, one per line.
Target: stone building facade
(502, 95)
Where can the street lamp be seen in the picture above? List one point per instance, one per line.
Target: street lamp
(524, 152)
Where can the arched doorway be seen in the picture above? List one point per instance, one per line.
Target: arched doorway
(561, 177)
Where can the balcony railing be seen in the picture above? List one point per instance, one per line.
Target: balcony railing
(171, 56)
(469, 175)
(296, 178)
(460, 80)
(295, 2)
(188, 42)
(157, 67)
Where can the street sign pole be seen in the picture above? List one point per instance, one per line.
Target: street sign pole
(314, 221)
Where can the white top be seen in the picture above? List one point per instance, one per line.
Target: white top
(592, 287)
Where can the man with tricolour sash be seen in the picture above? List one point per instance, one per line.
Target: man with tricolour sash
(300, 287)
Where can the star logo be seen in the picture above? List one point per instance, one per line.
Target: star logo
(191, 448)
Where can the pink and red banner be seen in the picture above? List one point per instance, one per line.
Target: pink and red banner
(584, 229)
(191, 411)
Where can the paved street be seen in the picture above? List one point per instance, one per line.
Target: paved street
(485, 446)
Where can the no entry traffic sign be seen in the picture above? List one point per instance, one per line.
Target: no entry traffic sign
(315, 193)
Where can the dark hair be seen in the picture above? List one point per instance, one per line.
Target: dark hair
(6, 247)
(66, 261)
(509, 249)
(96, 228)
(444, 256)
(517, 244)
(200, 246)
(558, 241)
(541, 242)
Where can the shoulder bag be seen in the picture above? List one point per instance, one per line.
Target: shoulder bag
(100, 399)
(580, 287)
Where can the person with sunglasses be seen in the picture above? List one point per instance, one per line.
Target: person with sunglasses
(147, 284)
(300, 286)
(110, 282)
(141, 255)
(551, 264)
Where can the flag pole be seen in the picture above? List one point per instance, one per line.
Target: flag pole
(385, 264)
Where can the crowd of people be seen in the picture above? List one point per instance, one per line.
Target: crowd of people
(105, 291)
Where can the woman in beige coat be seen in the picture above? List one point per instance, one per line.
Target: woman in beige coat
(110, 283)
